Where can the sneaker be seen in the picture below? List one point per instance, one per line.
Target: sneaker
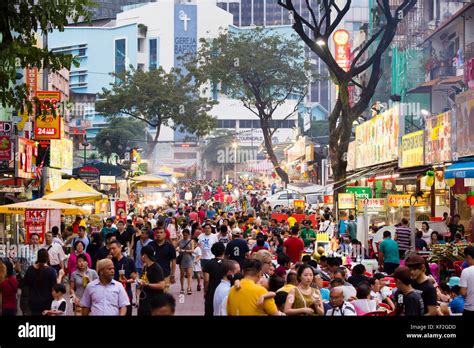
(199, 288)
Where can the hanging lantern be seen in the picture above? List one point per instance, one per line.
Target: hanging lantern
(274, 175)
(450, 182)
(439, 175)
(430, 175)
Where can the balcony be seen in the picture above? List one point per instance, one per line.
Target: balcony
(442, 71)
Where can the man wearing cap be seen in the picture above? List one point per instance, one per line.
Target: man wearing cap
(104, 296)
(416, 264)
(466, 283)
(237, 249)
(307, 234)
(456, 306)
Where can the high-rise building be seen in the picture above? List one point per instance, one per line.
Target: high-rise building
(110, 8)
(268, 13)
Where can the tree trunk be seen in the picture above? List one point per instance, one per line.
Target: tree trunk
(269, 147)
(151, 146)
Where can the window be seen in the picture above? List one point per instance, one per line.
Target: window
(120, 54)
(140, 44)
(226, 123)
(82, 52)
(283, 196)
(82, 78)
(153, 53)
(141, 67)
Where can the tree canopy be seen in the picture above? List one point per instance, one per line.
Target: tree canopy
(260, 68)
(121, 132)
(158, 98)
(19, 22)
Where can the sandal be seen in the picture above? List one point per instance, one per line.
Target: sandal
(182, 292)
(189, 292)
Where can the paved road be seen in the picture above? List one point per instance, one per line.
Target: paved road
(188, 304)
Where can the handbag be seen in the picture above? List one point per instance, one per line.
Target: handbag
(179, 259)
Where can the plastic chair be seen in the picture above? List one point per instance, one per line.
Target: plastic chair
(384, 305)
(375, 314)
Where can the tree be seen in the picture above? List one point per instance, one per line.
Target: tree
(158, 98)
(343, 114)
(19, 21)
(260, 69)
(121, 132)
(219, 142)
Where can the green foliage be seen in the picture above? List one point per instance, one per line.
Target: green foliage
(260, 69)
(19, 20)
(122, 132)
(159, 98)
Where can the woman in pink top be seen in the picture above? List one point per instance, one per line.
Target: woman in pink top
(72, 260)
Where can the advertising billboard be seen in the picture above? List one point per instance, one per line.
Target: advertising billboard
(412, 150)
(438, 139)
(377, 139)
(47, 126)
(25, 158)
(6, 129)
(465, 123)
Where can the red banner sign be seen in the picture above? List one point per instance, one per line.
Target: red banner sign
(48, 127)
(5, 140)
(35, 222)
(342, 54)
(121, 209)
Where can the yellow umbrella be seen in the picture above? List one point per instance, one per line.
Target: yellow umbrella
(19, 208)
(76, 185)
(76, 196)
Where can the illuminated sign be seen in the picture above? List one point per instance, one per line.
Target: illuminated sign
(48, 126)
(412, 150)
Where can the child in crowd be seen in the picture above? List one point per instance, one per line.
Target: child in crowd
(58, 306)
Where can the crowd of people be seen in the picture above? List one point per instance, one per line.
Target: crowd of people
(242, 261)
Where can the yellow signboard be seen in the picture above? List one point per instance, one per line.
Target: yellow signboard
(346, 201)
(66, 154)
(412, 150)
(373, 204)
(404, 201)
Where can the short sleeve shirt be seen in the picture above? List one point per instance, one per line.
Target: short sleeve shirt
(390, 250)
(467, 281)
(104, 299)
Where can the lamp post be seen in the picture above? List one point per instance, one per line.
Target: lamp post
(235, 145)
(85, 144)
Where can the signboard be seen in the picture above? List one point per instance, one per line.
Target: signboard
(31, 80)
(373, 205)
(351, 156)
(105, 179)
(412, 150)
(465, 123)
(438, 139)
(404, 201)
(55, 154)
(329, 199)
(342, 53)
(377, 139)
(121, 208)
(346, 201)
(185, 31)
(6, 129)
(25, 158)
(360, 192)
(309, 153)
(35, 222)
(53, 179)
(88, 172)
(49, 126)
(66, 154)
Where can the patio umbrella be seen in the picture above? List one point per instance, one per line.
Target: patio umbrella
(19, 208)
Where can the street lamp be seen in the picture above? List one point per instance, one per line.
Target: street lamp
(235, 145)
(320, 42)
(85, 144)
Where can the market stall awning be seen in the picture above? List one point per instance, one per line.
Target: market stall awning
(148, 178)
(460, 170)
(75, 196)
(19, 208)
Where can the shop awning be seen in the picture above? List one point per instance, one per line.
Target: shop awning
(149, 178)
(462, 170)
(19, 208)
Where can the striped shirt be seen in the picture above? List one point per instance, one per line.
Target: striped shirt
(346, 309)
(403, 238)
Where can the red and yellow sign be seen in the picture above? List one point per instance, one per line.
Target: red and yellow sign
(329, 199)
(342, 54)
(35, 222)
(373, 204)
(404, 201)
(6, 129)
(49, 127)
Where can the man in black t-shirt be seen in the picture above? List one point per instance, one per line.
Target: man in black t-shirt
(125, 270)
(237, 249)
(408, 302)
(212, 277)
(422, 284)
(165, 256)
(152, 281)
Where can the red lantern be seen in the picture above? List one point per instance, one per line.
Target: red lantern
(274, 175)
(470, 198)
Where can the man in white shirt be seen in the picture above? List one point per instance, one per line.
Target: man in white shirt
(55, 251)
(337, 306)
(229, 268)
(206, 241)
(466, 283)
(151, 219)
